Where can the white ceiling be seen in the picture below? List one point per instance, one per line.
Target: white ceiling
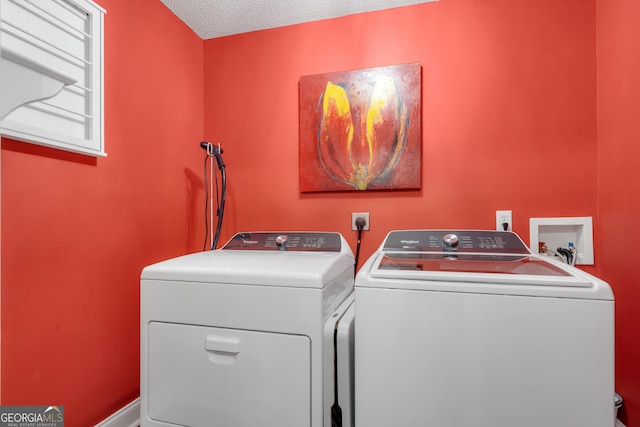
(218, 18)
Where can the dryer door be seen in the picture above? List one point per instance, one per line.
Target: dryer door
(205, 376)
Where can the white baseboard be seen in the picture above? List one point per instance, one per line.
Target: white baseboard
(128, 416)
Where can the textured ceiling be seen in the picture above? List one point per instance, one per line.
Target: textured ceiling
(218, 18)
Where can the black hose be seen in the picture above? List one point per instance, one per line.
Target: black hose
(220, 212)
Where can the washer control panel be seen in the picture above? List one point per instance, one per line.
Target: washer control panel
(460, 241)
(286, 241)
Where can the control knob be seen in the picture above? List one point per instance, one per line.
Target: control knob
(281, 241)
(450, 240)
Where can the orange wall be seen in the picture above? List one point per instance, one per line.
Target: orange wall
(619, 178)
(508, 105)
(76, 231)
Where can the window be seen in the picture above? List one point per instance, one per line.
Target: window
(66, 35)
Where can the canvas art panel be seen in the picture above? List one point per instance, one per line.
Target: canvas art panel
(361, 129)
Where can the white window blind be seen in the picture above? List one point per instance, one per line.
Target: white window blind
(65, 35)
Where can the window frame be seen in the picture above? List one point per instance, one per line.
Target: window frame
(72, 120)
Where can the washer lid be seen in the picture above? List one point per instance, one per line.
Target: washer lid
(475, 261)
(504, 264)
(505, 268)
(312, 268)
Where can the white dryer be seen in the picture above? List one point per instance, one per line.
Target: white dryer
(234, 336)
(471, 329)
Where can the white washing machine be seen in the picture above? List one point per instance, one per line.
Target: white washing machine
(234, 337)
(471, 329)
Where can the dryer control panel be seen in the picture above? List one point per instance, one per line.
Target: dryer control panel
(285, 241)
(458, 241)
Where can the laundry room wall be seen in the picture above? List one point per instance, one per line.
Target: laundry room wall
(508, 115)
(618, 44)
(510, 102)
(77, 231)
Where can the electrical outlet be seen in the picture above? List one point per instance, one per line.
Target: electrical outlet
(355, 216)
(503, 217)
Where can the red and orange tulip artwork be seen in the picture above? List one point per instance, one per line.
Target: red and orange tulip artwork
(360, 130)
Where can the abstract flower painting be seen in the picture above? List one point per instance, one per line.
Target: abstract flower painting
(360, 130)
